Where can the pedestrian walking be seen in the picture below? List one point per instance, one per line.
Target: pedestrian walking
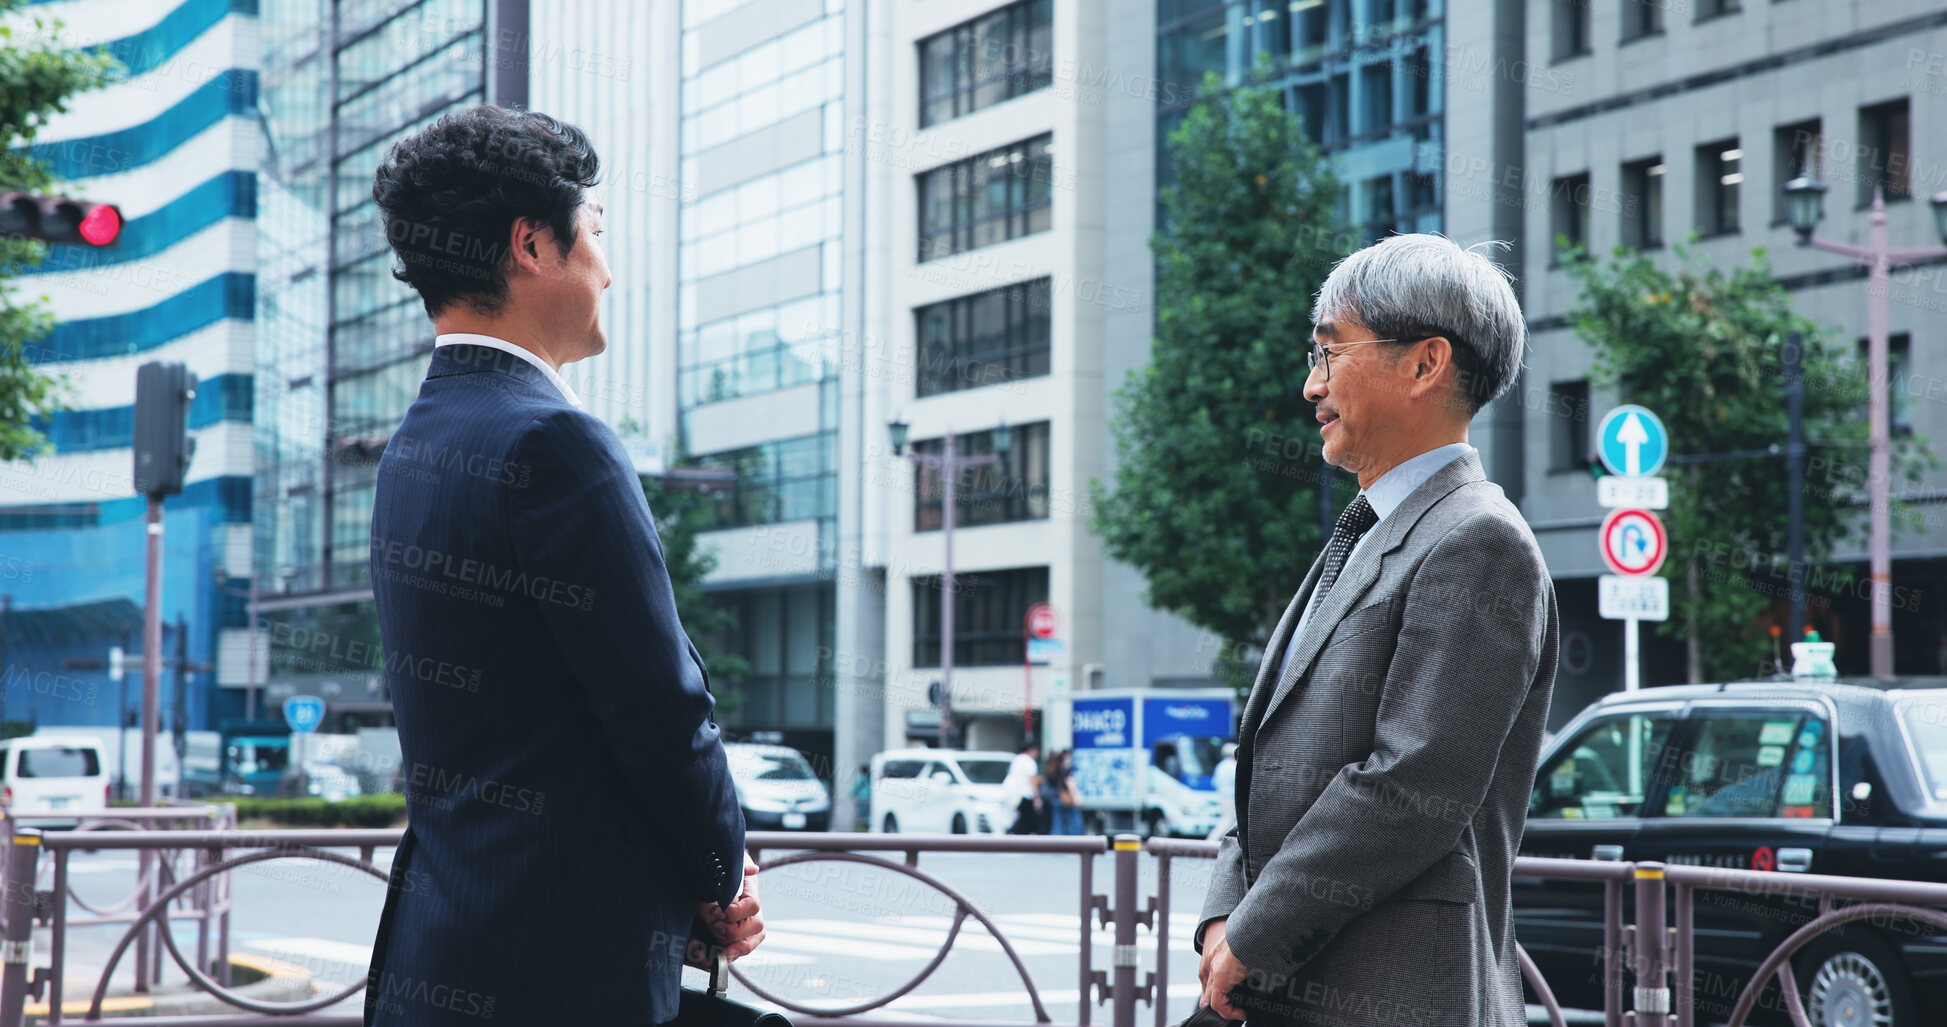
(1019, 787)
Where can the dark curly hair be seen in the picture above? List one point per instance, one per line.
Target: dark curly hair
(451, 191)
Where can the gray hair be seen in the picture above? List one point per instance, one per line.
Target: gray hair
(1410, 287)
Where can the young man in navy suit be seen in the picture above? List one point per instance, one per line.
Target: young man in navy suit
(573, 834)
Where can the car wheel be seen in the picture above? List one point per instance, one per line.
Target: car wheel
(959, 823)
(1855, 981)
(1153, 823)
(891, 826)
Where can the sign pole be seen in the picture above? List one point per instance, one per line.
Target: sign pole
(1632, 678)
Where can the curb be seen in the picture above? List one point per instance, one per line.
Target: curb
(278, 981)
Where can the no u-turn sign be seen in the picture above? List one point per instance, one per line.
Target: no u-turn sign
(1633, 542)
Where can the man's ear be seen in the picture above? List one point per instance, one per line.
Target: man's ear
(522, 247)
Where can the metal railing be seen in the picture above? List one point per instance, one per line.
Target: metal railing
(1662, 972)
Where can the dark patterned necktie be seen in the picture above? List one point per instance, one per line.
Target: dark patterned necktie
(1354, 521)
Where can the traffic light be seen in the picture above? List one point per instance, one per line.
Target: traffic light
(59, 219)
(162, 444)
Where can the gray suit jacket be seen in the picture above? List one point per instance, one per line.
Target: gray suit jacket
(1366, 881)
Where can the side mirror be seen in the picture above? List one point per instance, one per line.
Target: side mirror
(943, 777)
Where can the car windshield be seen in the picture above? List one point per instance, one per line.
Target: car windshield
(781, 767)
(1926, 722)
(254, 756)
(1184, 757)
(65, 761)
(985, 772)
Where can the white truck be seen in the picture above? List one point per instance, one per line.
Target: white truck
(1144, 756)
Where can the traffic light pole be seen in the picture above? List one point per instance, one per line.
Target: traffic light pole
(152, 652)
(151, 709)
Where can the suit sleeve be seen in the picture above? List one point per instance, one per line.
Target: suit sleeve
(1226, 886)
(1470, 644)
(582, 522)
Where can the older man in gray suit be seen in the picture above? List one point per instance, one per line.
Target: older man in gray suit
(1389, 744)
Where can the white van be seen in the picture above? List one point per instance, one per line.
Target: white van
(52, 774)
(954, 791)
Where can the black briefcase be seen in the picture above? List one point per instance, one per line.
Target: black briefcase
(712, 1009)
(1207, 1016)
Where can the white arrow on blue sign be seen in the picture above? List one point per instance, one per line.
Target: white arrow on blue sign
(304, 713)
(1632, 441)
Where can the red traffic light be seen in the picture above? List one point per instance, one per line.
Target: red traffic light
(59, 219)
(101, 225)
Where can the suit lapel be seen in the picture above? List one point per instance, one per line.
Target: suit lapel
(1359, 573)
(1267, 668)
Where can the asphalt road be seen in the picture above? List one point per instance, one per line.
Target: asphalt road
(839, 934)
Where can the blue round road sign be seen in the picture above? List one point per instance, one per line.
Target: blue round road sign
(304, 713)
(1632, 441)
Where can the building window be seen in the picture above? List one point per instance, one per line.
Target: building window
(1707, 9)
(1899, 383)
(1719, 177)
(1379, 213)
(786, 635)
(1568, 433)
(1883, 138)
(988, 608)
(1642, 203)
(1016, 489)
(1571, 28)
(985, 199)
(1569, 213)
(786, 480)
(1794, 151)
(997, 56)
(1000, 335)
(1376, 85)
(1641, 18)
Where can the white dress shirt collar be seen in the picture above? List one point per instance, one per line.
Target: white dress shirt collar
(470, 339)
(1395, 485)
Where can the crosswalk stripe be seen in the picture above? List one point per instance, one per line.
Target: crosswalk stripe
(930, 935)
(854, 948)
(1067, 933)
(1051, 998)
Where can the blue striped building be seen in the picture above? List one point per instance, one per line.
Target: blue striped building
(172, 142)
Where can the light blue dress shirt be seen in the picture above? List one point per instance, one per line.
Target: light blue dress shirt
(1384, 496)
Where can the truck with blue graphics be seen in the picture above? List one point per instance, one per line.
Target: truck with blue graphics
(1144, 756)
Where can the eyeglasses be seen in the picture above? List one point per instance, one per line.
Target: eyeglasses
(1321, 357)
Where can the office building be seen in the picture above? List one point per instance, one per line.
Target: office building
(171, 142)
(1690, 120)
(344, 346)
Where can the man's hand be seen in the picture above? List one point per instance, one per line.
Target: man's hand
(1220, 972)
(737, 930)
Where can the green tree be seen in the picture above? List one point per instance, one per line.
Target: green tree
(680, 514)
(1703, 347)
(38, 74)
(1215, 497)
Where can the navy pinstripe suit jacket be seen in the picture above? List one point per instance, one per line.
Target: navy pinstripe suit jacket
(569, 800)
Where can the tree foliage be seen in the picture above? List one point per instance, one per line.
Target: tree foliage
(680, 514)
(1703, 347)
(1215, 494)
(38, 75)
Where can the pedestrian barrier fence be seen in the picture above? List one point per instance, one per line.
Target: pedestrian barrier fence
(1658, 957)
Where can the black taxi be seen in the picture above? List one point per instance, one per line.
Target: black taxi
(1846, 778)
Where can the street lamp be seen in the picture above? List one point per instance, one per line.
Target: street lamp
(1804, 203)
(949, 463)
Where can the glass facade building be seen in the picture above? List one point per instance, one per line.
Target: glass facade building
(1364, 76)
(760, 285)
(347, 346)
